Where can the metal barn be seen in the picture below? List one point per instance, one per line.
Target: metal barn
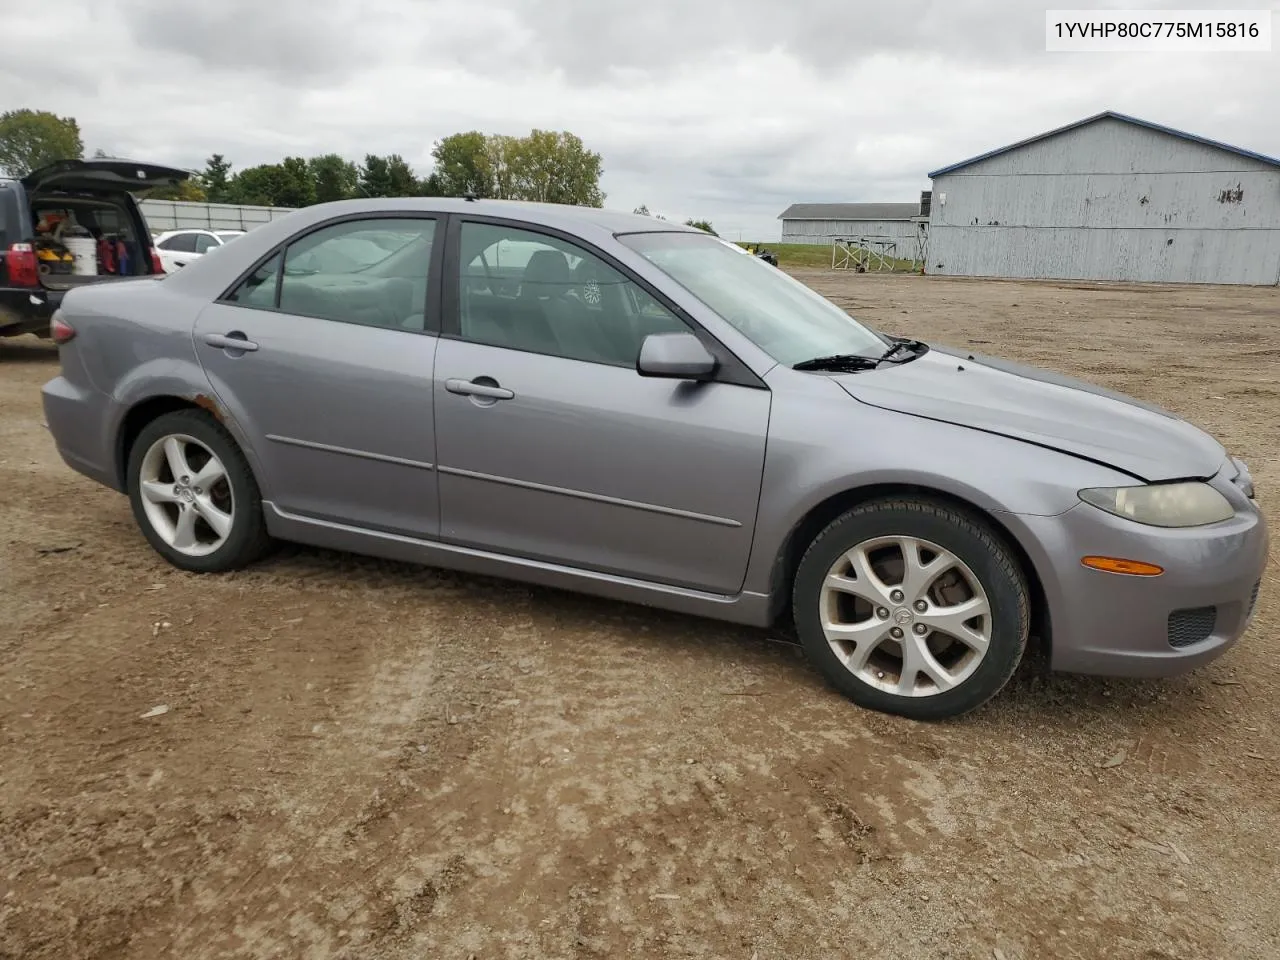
(821, 223)
(1110, 197)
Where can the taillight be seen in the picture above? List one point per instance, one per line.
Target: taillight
(59, 330)
(157, 266)
(24, 269)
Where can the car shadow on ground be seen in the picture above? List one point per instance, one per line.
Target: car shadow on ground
(1060, 702)
(27, 349)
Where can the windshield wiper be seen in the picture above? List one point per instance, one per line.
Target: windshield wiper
(839, 362)
(915, 346)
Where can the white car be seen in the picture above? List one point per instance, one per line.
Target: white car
(177, 248)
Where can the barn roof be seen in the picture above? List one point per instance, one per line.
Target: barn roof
(1112, 115)
(850, 211)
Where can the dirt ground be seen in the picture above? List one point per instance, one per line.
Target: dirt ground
(367, 760)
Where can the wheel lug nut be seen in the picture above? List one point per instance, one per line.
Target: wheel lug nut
(920, 604)
(896, 633)
(897, 596)
(883, 613)
(186, 479)
(921, 629)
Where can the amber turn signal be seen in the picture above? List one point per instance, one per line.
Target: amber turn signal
(1133, 568)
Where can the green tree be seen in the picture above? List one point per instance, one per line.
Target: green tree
(403, 181)
(216, 179)
(30, 139)
(375, 178)
(297, 185)
(335, 178)
(258, 186)
(431, 186)
(462, 165)
(701, 225)
(190, 190)
(555, 167)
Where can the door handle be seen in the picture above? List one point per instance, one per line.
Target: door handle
(475, 388)
(235, 340)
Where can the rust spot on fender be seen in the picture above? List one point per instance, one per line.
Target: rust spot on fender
(208, 403)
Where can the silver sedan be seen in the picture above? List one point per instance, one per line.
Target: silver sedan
(622, 406)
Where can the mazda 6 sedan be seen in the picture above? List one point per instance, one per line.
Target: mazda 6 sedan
(622, 406)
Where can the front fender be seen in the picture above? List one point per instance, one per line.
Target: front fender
(823, 445)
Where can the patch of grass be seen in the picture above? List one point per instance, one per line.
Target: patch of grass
(813, 255)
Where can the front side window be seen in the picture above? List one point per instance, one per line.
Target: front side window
(779, 314)
(205, 243)
(372, 272)
(530, 291)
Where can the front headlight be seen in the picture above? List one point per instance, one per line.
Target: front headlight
(1163, 504)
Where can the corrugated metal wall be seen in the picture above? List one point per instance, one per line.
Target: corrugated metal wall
(1110, 201)
(164, 215)
(824, 231)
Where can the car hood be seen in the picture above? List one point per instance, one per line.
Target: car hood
(1042, 407)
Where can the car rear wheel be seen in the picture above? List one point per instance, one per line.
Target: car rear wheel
(912, 607)
(194, 495)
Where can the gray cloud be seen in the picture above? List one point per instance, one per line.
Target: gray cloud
(728, 110)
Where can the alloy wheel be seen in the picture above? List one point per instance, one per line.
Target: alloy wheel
(186, 495)
(906, 616)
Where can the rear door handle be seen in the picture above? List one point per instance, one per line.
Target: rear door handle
(235, 340)
(477, 388)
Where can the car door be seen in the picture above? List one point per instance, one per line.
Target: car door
(325, 360)
(177, 251)
(551, 446)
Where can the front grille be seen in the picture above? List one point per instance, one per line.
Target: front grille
(1253, 599)
(1191, 625)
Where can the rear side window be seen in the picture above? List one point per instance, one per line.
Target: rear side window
(182, 243)
(259, 288)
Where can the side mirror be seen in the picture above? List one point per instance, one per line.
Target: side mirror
(678, 356)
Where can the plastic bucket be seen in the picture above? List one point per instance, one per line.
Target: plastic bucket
(85, 251)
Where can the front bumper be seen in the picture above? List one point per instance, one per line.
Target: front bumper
(1119, 625)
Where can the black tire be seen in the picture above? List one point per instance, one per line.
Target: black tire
(248, 539)
(968, 538)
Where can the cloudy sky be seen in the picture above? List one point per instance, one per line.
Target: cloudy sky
(725, 109)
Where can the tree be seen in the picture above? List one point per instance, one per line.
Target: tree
(190, 190)
(375, 178)
(431, 186)
(30, 139)
(216, 179)
(258, 186)
(701, 225)
(555, 167)
(335, 178)
(462, 165)
(403, 181)
(297, 185)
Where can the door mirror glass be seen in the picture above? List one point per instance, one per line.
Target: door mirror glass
(680, 356)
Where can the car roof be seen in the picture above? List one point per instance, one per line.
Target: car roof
(592, 224)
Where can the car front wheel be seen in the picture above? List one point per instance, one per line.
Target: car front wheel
(194, 495)
(912, 607)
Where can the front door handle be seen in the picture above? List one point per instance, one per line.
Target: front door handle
(479, 388)
(235, 340)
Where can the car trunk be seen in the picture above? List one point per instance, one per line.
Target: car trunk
(88, 227)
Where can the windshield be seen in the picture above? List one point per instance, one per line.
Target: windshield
(776, 312)
(227, 237)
